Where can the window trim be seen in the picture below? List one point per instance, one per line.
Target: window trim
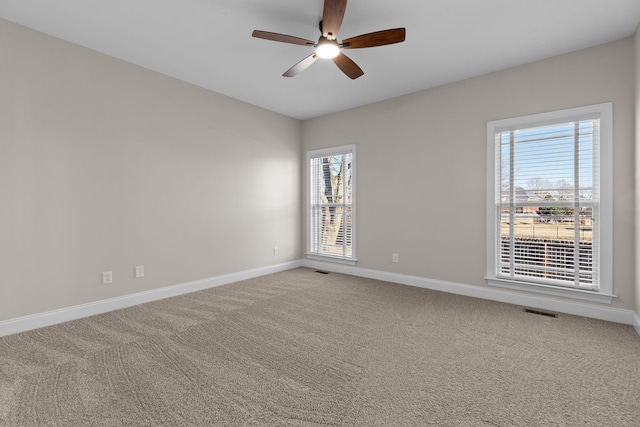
(323, 152)
(605, 112)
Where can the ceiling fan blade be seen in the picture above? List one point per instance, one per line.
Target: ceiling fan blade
(301, 66)
(281, 38)
(332, 16)
(347, 66)
(378, 38)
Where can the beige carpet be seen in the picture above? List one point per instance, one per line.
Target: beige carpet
(301, 348)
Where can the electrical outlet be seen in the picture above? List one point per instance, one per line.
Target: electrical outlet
(139, 271)
(107, 277)
(275, 250)
(395, 258)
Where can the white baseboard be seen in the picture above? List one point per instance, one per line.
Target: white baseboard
(21, 324)
(577, 308)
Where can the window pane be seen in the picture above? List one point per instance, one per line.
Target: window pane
(330, 211)
(547, 202)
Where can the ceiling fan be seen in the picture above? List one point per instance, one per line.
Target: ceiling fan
(327, 45)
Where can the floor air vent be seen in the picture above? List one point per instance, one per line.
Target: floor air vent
(540, 312)
(322, 272)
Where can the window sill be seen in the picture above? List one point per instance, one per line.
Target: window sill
(551, 290)
(328, 258)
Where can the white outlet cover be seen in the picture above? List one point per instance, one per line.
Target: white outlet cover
(107, 277)
(139, 271)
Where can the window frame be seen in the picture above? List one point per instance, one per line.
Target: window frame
(325, 152)
(605, 278)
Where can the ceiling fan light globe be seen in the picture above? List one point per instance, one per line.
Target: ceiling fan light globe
(327, 49)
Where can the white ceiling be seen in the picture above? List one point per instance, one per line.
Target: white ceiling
(208, 42)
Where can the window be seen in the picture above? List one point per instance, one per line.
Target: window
(331, 203)
(549, 202)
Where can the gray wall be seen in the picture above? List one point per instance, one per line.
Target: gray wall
(637, 167)
(422, 162)
(105, 166)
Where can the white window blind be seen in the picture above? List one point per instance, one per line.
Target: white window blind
(549, 183)
(548, 201)
(331, 203)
